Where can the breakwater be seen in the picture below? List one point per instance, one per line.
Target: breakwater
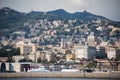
(107, 75)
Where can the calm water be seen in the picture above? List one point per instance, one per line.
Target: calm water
(54, 79)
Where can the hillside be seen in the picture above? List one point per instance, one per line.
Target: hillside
(11, 20)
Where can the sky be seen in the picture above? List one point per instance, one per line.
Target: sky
(107, 8)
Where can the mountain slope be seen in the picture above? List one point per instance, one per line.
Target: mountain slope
(11, 20)
(10, 17)
(62, 14)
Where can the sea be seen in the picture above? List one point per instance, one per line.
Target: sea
(52, 79)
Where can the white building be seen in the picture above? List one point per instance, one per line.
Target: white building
(85, 52)
(65, 43)
(91, 40)
(113, 53)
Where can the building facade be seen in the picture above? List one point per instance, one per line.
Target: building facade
(113, 53)
(87, 52)
(26, 48)
(91, 40)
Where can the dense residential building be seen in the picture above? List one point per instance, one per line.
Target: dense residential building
(70, 57)
(91, 40)
(65, 43)
(87, 52)
(26, 48)
(50, 56)
(113, 53)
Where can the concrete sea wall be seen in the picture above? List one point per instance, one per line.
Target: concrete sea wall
(111, 75)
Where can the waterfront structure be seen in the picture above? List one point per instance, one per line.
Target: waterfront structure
(18, 67)
(40, 69)
(3, 59)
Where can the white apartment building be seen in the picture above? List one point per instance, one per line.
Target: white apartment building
(91, 40)
(85, 52)
(113, 53)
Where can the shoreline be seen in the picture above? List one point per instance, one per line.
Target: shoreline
(101, 75)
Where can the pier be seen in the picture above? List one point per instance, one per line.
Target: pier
(102, 75)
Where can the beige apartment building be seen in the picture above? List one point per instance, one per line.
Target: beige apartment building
(26, 48)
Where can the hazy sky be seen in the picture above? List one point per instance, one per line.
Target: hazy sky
(107, 8)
